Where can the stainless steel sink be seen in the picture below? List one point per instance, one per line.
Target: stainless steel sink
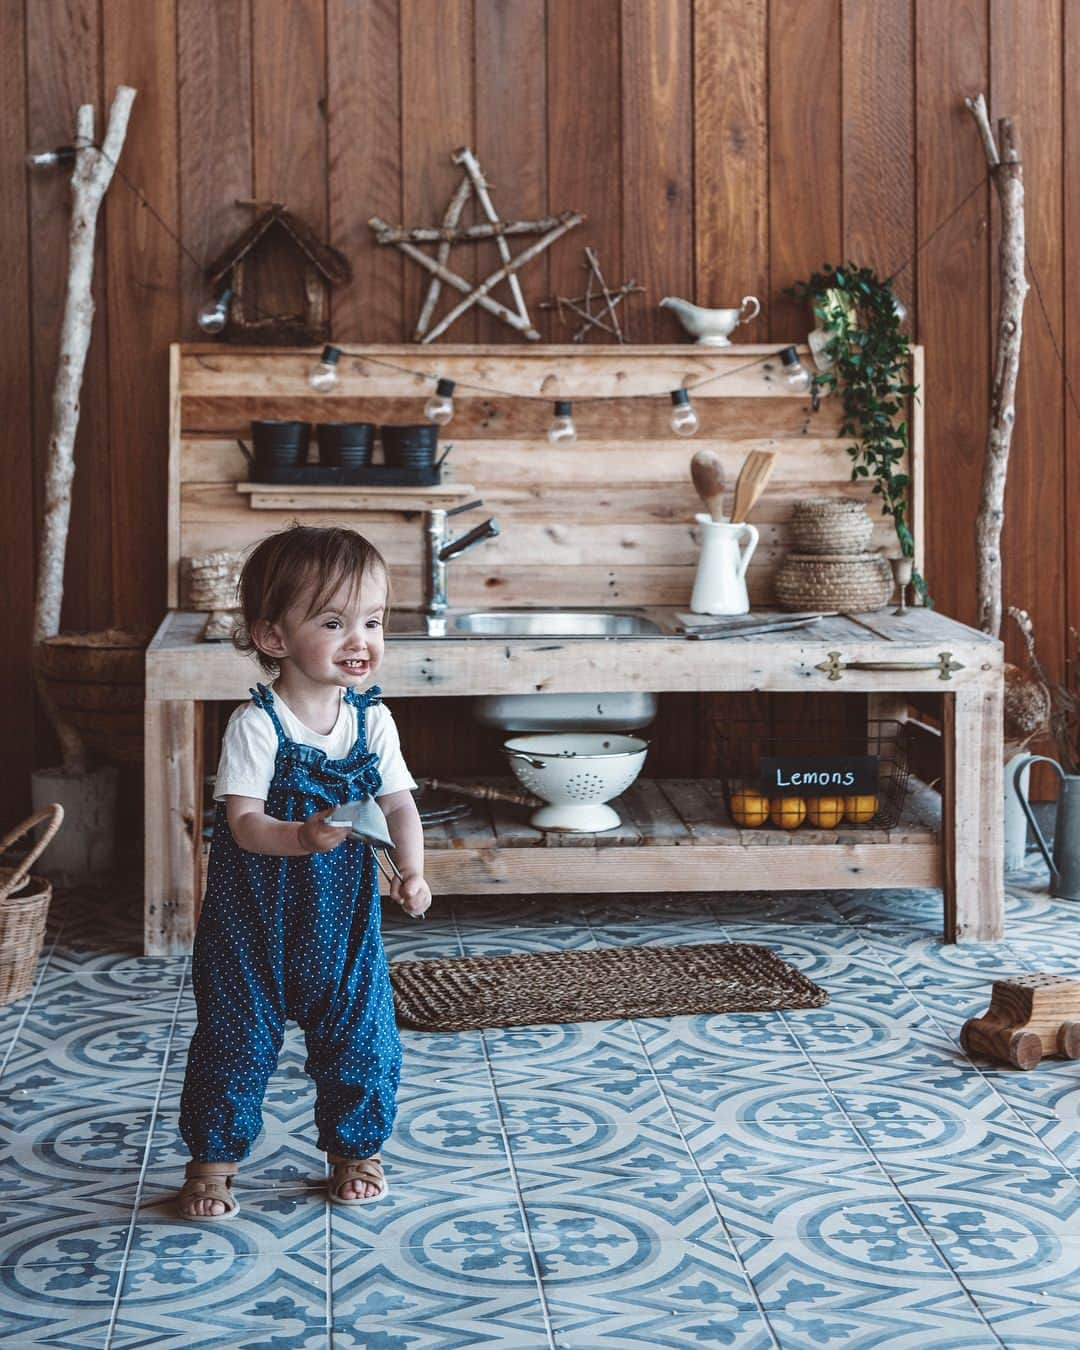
(552, 623)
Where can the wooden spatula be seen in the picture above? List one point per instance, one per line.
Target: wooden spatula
(754, 474)
(708, 475)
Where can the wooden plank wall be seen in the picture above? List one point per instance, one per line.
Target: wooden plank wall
(607, 520)
(718, 147)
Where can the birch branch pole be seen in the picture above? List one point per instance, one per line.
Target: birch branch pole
(1006, 172)
(90, 178)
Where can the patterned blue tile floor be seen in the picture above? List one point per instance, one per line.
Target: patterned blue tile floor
(843, 1176)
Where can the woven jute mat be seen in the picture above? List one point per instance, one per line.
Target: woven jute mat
(466, 993)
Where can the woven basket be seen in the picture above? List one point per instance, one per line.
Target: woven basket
(853, 583)
(24, 907)
(830, 525)
(97, 683)
(211, 579)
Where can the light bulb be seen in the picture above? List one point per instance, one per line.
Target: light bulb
(323, 376)
(562, 430)
(796, 374)
(45, 159)
(820, 341)
(214, 315)
(684, 420)
(440, 406)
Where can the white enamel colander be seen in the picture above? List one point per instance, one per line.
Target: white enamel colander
(576, 773)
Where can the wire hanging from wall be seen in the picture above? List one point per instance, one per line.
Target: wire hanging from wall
(63, 154)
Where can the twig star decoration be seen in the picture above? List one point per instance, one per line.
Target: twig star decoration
(449, 233)
(596, 292)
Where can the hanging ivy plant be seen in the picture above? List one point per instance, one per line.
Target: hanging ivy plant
(871, 363)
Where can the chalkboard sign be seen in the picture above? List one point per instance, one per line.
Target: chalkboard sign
(818, 775)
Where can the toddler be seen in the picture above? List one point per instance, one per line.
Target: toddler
(289, 926)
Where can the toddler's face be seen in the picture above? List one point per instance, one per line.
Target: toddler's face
(342, 644)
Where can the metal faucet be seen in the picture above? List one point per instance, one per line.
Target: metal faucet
(438, 550)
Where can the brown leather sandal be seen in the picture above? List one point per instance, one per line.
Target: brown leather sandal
(204, 1182)
(357, 1169)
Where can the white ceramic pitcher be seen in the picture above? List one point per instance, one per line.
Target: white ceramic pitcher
(720, 584)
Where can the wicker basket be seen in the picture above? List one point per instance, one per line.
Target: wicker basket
(24, 907)
(210, 579)
(853, 583)
(830, 525)
(739, 751)
(97, 683)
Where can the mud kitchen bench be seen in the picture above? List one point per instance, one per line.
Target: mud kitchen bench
(627, 546)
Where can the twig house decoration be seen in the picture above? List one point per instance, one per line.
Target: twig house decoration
(280, 275)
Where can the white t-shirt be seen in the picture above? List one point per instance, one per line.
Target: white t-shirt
(249, 747)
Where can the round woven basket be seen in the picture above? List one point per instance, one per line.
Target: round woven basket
(851, 582)
(24, 907)
(830, 525)
(97, 683)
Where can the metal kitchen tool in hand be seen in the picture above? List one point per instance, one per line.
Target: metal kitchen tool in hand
(367, 823)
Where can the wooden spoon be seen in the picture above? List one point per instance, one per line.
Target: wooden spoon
(708, 475)
(754, 474)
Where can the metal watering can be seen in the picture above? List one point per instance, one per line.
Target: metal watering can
(1065, 863)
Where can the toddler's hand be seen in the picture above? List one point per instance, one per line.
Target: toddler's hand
(412, 893)
(319, 837)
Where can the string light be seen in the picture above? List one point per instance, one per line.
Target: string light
(214, 315)
(562, 431)
(795, 373)
(684, 420)
(45, 159)
(440, 406)
(323, 376)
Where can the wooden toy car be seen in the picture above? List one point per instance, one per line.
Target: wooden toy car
(1029, 1016)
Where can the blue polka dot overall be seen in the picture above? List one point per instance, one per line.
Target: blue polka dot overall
(294, 937)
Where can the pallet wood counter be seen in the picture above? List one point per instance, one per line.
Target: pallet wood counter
(885, 655)
(606, 524)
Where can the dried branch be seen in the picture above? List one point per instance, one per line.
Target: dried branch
(90, 178)
(1006, 173)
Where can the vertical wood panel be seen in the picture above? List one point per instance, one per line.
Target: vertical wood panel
(436, 119)
(288, 45)
(1025, 77)
(1027, 87)
(805, 191)
(289, 95)
(63, 66)
(144, 279)
(657, 143)
(731, 157)
(584, 164)
(16, 479)
(951, 55)
(511, 144)
(879, 142)
(364, 103)
(214, 81)
(1070, 497)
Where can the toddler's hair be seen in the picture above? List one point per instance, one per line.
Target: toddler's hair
(303, 560)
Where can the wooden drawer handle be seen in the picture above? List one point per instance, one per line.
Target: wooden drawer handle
(834, 667)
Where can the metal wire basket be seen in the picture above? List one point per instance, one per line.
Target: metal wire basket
(739, 751)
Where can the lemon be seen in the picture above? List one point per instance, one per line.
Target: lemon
(787, 812)
(749, 808)
(825, 812)
(860, 809)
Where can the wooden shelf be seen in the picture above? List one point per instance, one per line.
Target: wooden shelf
(351, 497)
(675, 835)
